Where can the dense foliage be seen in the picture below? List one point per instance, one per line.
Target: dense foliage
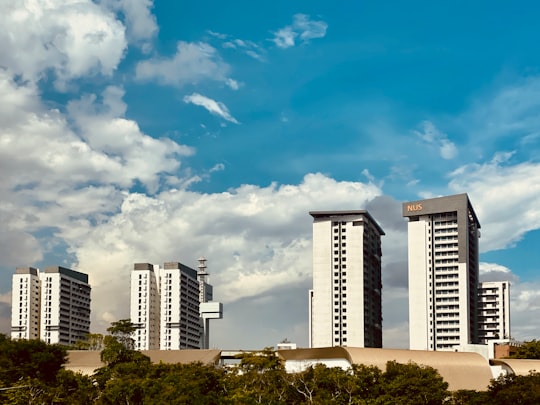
(528, 350)
(31, 372)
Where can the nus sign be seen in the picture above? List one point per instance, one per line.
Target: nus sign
(414, 207)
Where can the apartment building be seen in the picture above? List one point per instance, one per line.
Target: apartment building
(494, 311)
(171, 306)
(52, 305)
(443, 253)
(345, 306)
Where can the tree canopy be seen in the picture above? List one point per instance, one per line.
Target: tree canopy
(528, 350)
(32, 372)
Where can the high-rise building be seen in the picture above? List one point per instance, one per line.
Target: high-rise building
(443, 238)
(180, 321)
(53, 305)
(165, 306)
(494, 310)
(25, 304)
(345, 302)
(145, 309)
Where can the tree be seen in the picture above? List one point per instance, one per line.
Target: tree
(413, 384)
(515, 389)
(528, 350)
(93, 341)
(123, 330)
(194, 383)
(368, 381)
(74, 388)
(34, 359)
(319, 384)
(470, 397)
(260, 378)
(28, 391)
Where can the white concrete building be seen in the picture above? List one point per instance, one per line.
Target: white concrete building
(206, 291)
(166, 307)
(53, 305)
(208, 309)
(345, 302)
(144, 306)
(180, 321)
(25, 304)
(443, 238)
(494, 311)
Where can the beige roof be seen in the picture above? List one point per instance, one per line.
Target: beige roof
(459, 370)
(83, 361)
(87, 361)
(183, 356)
(518, 366)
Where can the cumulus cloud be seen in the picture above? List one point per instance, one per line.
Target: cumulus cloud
(213, 107)
(496, 272)
(497, 188)
(192, 63)
(432, 136)
(139, 21)
(524, 301)
(64, 172)
(302, 28)
(73, 39)
(255, 238)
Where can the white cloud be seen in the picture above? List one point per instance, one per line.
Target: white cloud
(284, 38)
(233, 84)
(250, 48)
(499, 191)
(65, 172)
(496, 272)
(214, 107)
(525, 301)
(493, 267)
(302, 28)
(432, 136)
(309, 29)
(512, 111)
(140, 22)
(192, 63)
(73, 38)
(255, 238)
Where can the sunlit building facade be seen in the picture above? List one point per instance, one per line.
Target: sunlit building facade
(494, 311)
(171, 306)
(345, 303)
(52, 305)
(443, 238)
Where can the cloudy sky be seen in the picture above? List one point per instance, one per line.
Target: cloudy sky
(140, 132)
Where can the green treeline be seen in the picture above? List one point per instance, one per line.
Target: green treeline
(31, 372)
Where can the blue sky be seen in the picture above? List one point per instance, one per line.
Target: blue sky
(140, 132)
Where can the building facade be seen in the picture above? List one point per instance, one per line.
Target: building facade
(53, 305)
(345, 303)
(145, 306)
(180, 322)
(171, 306)
(25, 304)
(443, 252)
(494, 311)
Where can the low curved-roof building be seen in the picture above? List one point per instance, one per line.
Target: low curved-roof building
(88, 361)
(517, 366)
(461, 370)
